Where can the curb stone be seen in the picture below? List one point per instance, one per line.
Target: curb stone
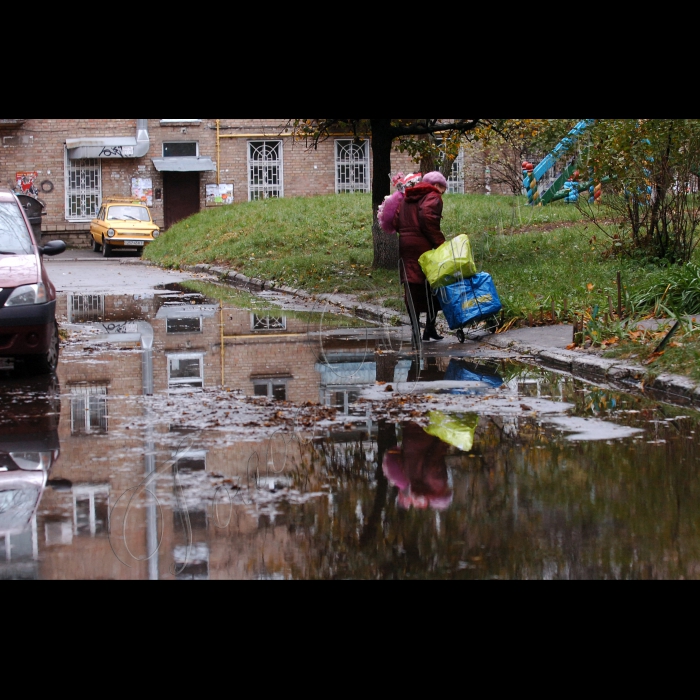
(673, 388)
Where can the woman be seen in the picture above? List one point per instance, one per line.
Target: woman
(418, 223)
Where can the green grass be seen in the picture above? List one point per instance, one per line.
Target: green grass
(324, 244)
(681, 357)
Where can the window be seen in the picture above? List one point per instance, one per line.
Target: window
(192, 563)
(271, 388)
(191, 324)
(129, 214)
(91, 510)
(83, 308)
(343, 399)
(83, 189)
(88, 410)
(14, 236)
(189, 467)
(455, 183)
(265, 170)
(351, 166)
(181, 149)
(185, 372)
(269, 323)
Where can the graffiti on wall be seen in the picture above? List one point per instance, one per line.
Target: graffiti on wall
(26, 183)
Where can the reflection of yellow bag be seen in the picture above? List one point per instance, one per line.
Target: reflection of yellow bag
(454, 430)
(450, 263)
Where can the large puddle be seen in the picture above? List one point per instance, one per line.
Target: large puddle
(316, 446)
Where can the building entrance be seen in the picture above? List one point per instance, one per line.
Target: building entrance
(181, 196)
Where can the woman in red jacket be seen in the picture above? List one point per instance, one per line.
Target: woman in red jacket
(418, 223)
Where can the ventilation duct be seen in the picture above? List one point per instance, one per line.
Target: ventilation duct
(112, 146)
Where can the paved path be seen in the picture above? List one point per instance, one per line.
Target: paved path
(88, 273)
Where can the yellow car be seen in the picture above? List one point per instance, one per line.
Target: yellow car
(122, 224)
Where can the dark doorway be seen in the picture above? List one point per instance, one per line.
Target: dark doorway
(181, 195)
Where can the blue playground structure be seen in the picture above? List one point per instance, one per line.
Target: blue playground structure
(568, 186)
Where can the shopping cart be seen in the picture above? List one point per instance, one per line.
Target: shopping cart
(471, 306)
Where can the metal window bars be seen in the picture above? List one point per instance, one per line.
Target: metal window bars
(265, 170)
(351, 166)
(455, 182)
(269, 323)
(83, 189)
(84, 308)
(88, 410)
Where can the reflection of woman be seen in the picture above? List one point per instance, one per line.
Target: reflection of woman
(419, 471)
(418, 223)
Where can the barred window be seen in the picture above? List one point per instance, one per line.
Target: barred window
(268, 323)
(83, 189)
(88, 410)
(455, 183)
(265, 170)
(351, 166)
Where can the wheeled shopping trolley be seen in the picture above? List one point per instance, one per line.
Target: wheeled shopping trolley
(471, 305)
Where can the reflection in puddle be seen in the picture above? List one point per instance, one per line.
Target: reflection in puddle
(184, 439)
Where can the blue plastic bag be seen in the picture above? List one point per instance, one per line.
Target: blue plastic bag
(460, 371)
(475, 299)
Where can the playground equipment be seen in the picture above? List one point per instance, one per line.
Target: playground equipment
(568, 186)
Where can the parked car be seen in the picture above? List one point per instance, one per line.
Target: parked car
(29, 449)
(28, 328)
(122, 224)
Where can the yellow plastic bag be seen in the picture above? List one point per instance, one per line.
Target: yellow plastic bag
(450, 263)
(457, 431)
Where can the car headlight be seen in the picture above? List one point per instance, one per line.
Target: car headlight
(32, 461)
(111, 233)
(28, 295)
(156, 233)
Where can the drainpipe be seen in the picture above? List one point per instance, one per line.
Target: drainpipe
(143, 139)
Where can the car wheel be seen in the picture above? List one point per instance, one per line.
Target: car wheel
(96, 247)
(106, 249)
(48, 362)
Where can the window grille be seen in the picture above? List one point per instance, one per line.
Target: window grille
(84, 308)
(455, 183)
(83, 189)
(265, 170)
(88, 410)
(269, 323)
(351, 166)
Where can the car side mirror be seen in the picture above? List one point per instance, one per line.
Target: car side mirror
(53, 248)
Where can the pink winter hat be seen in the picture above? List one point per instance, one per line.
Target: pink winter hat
(435, 178)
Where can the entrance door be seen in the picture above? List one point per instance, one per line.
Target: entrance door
(181, 195)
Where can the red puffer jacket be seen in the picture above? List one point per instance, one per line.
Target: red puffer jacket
(418, 223)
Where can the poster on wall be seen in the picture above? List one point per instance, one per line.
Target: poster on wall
(142, 189)
(219, 195)
(26, 183)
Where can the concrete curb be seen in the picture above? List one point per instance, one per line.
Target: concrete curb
(671, 388)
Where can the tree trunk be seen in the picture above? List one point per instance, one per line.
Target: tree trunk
(386, 248)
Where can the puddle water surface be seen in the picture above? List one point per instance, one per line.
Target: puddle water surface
(317, 446)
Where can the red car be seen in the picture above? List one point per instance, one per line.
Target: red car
(28, 328)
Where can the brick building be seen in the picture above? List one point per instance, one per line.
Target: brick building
(180, 165)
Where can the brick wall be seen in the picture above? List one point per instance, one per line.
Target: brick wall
(39, 145)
